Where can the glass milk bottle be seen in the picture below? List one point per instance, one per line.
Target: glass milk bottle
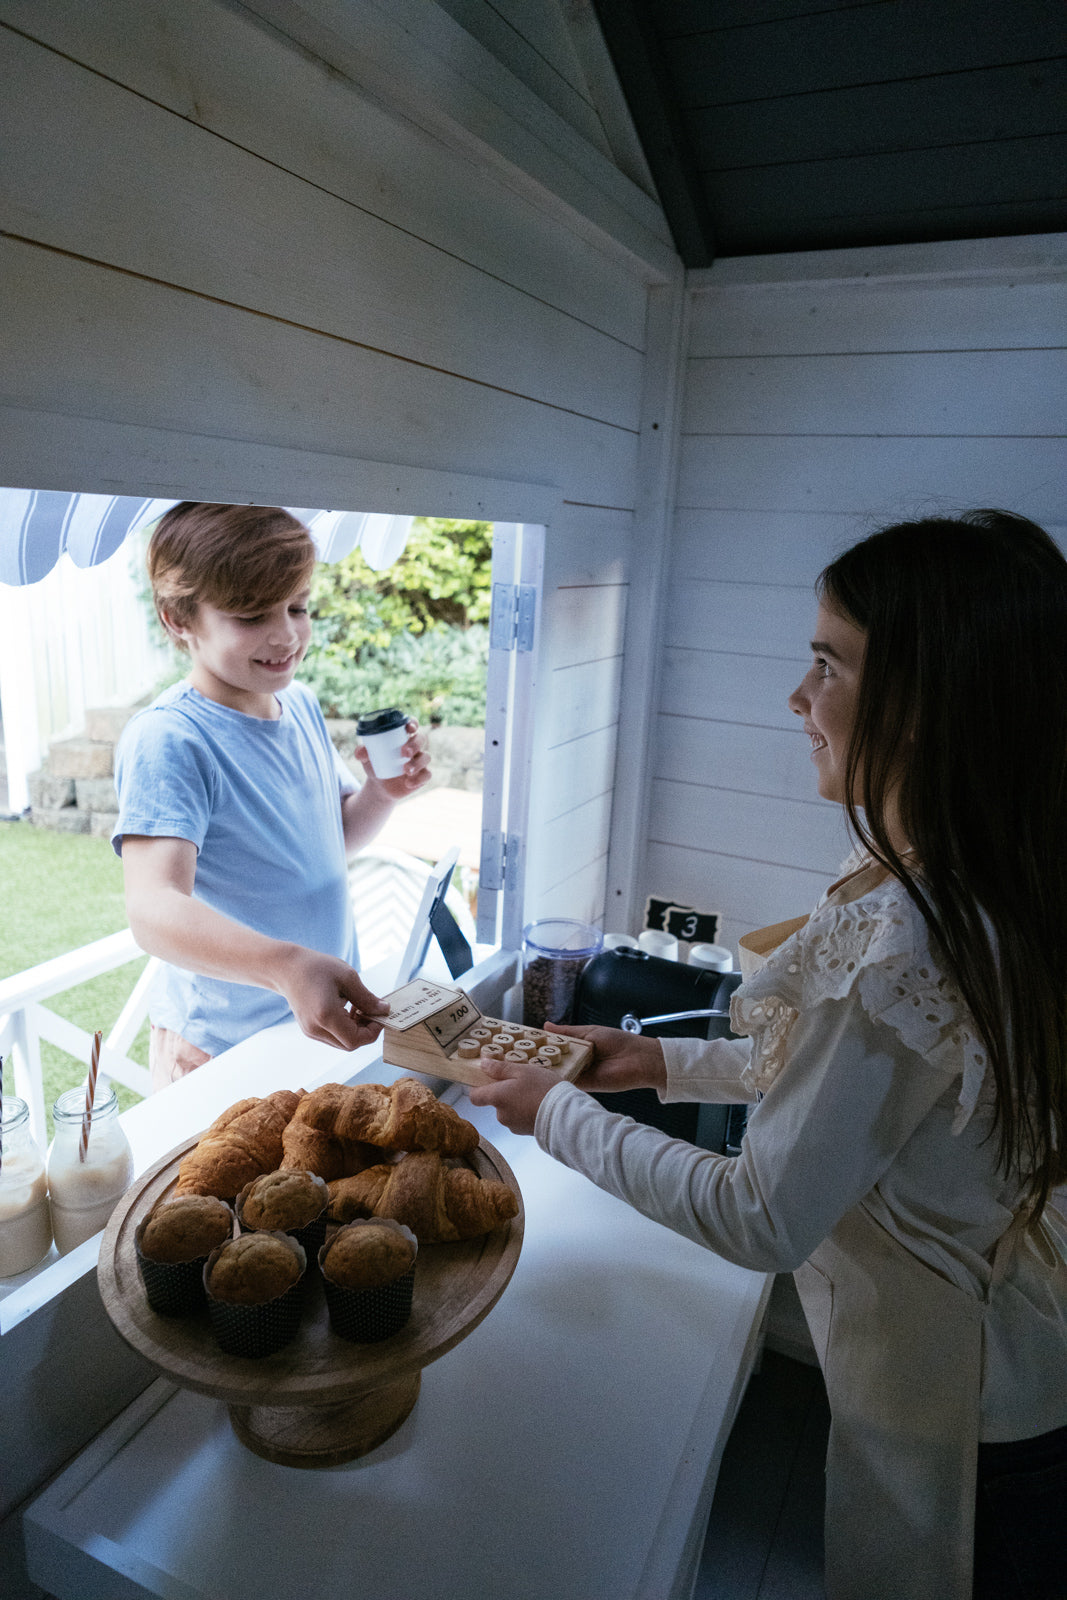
(25, 1226)
(83, 1193)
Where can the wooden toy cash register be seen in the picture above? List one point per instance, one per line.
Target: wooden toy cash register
(440, 1031)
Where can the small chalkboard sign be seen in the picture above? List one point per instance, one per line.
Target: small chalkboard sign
(682, 922)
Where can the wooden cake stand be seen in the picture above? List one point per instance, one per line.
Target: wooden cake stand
(320, 1400)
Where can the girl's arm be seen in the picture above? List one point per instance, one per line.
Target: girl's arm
(847, 1101)
(167, 922)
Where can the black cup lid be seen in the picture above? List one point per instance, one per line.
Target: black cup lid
(380, 721)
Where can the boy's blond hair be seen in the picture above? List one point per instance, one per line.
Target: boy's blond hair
(236, 558)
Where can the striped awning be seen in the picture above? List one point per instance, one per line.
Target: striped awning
(38, 525)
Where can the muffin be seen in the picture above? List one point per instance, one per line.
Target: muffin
(286, 1202)
(368, 1271)
(172, 1244)
(254, 1295)
(187, 1227)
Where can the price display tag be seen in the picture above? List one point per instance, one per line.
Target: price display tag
(448, 1025)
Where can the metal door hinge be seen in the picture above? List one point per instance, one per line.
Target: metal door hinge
(511, 621)
(499, 855)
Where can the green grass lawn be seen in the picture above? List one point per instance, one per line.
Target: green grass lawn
(61, 891)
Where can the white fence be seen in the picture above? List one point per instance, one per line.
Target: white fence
(25, 1020)
(78, 639)
(387, 888)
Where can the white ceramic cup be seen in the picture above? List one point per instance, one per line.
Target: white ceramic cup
(658, 943)
(384, 733)
(714, 957)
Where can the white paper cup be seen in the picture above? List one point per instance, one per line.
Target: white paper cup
(384, 733)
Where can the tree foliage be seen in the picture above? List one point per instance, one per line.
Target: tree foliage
(437, 676)
(415, 635)
(443, 577)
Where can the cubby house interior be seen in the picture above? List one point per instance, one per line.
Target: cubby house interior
(706, 290)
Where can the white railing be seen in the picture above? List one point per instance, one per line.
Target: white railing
(25, 1020)
(387, 886)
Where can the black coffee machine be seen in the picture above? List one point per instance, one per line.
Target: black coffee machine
(644, 994)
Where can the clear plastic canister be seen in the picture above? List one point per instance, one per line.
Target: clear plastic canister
(554, 952)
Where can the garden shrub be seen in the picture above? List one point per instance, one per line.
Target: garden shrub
(415, 636)
(437, 676)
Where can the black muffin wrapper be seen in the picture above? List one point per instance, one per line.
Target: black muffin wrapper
(365, 1316)
(174, 1288)
(258, 1330)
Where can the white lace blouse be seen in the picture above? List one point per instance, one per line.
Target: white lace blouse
(872, 1087)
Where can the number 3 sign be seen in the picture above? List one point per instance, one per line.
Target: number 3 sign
(682, 922)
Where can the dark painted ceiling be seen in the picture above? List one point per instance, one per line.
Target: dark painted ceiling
(774, 125)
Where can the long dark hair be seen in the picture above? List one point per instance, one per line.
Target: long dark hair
(962, 718)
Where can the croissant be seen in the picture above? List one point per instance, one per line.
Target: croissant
(437, 1202)
(245, 1141)
(407, 1116)
(306, 1149)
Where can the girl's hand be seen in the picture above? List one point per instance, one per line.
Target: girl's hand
(515, 1093)
(620, 1060)
(416, 772)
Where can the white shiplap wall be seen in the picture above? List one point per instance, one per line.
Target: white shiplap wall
(333, 252)
(337, 254)
(825, 396)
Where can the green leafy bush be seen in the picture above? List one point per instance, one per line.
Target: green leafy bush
(437, 676)
(415, 635)
(443, 578)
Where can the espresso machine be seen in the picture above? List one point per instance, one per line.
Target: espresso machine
(641, 993)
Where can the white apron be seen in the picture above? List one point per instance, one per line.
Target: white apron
(900, 1349)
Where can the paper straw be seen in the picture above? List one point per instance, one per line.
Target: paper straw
(90, 1092)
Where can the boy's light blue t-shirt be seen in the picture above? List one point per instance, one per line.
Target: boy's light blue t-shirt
(262, 803)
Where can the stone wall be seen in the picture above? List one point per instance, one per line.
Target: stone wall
(74, 792)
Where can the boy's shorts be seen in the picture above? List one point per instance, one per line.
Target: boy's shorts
(170, 1057)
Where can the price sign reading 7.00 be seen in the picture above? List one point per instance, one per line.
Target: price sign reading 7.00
(682, 922)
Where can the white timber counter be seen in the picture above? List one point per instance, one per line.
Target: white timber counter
(566, 1450)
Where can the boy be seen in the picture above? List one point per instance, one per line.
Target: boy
(236, 815)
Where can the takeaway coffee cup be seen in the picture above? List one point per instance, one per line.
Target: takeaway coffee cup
(384, 733)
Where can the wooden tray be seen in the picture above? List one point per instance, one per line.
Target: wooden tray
(321, 1400)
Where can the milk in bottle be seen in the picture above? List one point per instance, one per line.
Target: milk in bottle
(83, 1193)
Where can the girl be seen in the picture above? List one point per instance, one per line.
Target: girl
(907, 1045)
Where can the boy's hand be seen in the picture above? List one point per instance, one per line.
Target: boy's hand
(416, 772)
(516, 1092)
(330, 1002)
